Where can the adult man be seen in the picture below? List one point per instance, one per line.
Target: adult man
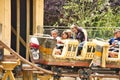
(114, 44)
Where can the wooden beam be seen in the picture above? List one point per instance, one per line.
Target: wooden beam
(21, 39)
(38, 16)
(27, 29)
(18, 26)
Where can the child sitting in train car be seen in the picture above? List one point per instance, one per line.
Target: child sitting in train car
(60, 43)
(54, 34)
(70, 34)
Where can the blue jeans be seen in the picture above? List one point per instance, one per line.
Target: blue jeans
(80, 46)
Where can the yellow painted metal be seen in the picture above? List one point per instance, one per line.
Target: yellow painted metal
(45, 50)
(69, 50)
(105, 51)
(88, 54)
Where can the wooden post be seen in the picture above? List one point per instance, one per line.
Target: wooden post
(38, 16)
(8, 66)
(18, 26)
(27, 75)
(28, 29)
(2, 6)
(5, 20)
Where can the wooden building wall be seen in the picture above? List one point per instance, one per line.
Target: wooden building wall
(19, 19)
(5, 21)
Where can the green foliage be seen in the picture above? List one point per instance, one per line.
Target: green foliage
(92, 13)
(101, 32)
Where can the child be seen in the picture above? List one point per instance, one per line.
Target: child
(69, 34)
(54, 34)
(61, 42)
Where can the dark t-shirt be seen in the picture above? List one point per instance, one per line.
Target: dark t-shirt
(80, 35)
(114, 48)
(113, 39)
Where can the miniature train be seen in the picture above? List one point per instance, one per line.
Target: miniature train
(93, 57)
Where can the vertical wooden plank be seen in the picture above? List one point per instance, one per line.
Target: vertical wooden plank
(2, 8)
(25, 75)
(18, 26)
(38, 15)
(5, 20)
(28, 28)
(34, 18)
(30, 75)
(40, 18)
(2, 19)
(7, 26)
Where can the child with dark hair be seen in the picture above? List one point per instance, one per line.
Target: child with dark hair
(69, 34)
(60, 43)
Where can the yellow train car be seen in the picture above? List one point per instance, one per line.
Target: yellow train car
(92, 59)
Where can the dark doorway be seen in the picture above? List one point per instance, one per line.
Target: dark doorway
(22, 24)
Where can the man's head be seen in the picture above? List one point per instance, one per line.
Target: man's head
(117, 33)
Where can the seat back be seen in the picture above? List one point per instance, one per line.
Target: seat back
(69, 50)
(100, 53)
(88, 51)
(116, 52)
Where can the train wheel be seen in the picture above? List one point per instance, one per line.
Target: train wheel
(58, 70)
(84, 73)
